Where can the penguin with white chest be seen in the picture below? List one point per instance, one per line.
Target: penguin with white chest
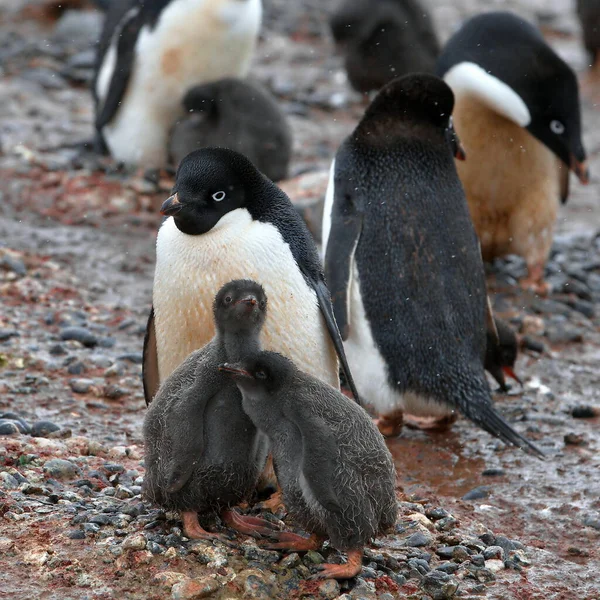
(150, 53)
(403, 263)
(517, 113)
(227, 221)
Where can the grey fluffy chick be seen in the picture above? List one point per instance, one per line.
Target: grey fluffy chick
(203, 454)
(239, 115)
(335, 471)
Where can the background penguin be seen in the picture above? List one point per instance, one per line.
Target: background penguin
(336, 473)
(150, 53)
(501, 353)
(403, 262)
(227, 221)
(383, 39)
(235, 114)
(202, 452)
(517, 114)
(589, 17)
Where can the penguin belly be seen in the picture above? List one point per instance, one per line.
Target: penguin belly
(513, 183)
(194, 41)
(371, 372)
(190, 270)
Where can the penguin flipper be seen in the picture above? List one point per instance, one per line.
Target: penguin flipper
(319, 451)
(326, 308)
(128, 32)
(150, 374)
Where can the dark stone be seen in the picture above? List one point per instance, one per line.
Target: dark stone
(544, 306)
(134, 357)
(563, 334)
(483, 491)
(61, 469)
(446, 524)
(113, 468)
(493, 472)
(419, 565)
(478, 560)
(445, 551)
(440, 585)
(489, 539)
(155, 548)
(585, 412)
(91, 528)
(113, 392)
(418, 540)
(529, 343)
(6, 334)
(76, 534)
(57, 350)
(14, 264)
(9, 427)
(81, 386)
(437, 513)
(76, 368)
(448, 567)
(507, 545)
(79, 334)
(583, 307)
(107, 342)
(573, 439)
(101, 519)
(592, 521)
(43, 428)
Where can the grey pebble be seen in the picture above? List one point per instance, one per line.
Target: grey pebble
(81, 386)
(256, 587)
(133, 357)
(76, 534)
(8, 481)
(419, 566)
(76, 368)
(290, 561)
(253, 552)
(493, 472)
(437, 513)
(440, 585)
(592, 521)
(79, 334)
(447, 567)
(61, 469)
(329, 589)
(155, 548)
(492, 552)
(91, 527)
(478, 560)
(9, 427)
(6, 334)
(419, 539)
(14, 264)
(483, 491)
(101, 519)
(57, 349)
(43, 428)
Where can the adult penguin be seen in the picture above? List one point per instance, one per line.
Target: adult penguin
(150, 53)
(227, 221)
(517, 114)
(403, 262)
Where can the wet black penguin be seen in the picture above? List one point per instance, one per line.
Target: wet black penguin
(517, 113)
(335, 471)
(150, 53)
(228, 221)
(403, 263)
(236, 114)
(501, 352)
(383, 39)
(202, 452)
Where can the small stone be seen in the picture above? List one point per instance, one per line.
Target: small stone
(492, 552)
(9, 427)
(6, 544)
(169, 578)
(592, 521)
(314, 557)
(494, 565)
(123, 492)
(419, 539)
(135, 542)
(290, 561)
(43, 428)
(133, 357)
(478, 493)
(191, 589)
(76, 534)
(253, 552)
(478, 560)
(9, 482)
(79, 334)
(6, 334)
(460, 554)
(61, 469)
(493, 472)
(440, 585)
(532, 325)
(448, 567)
(113, 392)
(446, 524)
(76, 368)
(57, 350)
(101, 519)
(114, 467)
(573, 439)
(585, 412)
(256, 587)
(418, 567)
(329, 589)
(81, 386)
(154, 548)
(445, 551)
(91, 527)
(12, 262)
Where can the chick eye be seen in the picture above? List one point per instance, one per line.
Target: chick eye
(218, 196)
(557, 127)
(227, 299)
(260, 375)
(262, 303)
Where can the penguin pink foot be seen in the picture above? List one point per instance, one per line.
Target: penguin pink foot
(535, 280)
(193, 530)
(248, 525)
(346, 571)
(287, 540)
(390, 425)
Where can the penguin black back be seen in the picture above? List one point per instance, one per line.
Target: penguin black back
(384, 39)
(512, 50)
(237, 114)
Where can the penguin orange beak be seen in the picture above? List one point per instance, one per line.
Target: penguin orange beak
(250, 300)
(581, 170)
(171, 206)
(235, 371)
(459, 152)
(509, 372)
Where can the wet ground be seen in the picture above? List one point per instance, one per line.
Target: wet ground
(77, 249)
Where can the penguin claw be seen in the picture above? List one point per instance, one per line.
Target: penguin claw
(248, 525)
(287, 540)
(346, 571)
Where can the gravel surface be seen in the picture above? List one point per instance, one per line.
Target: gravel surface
(77, 236)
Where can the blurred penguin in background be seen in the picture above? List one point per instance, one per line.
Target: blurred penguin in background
(150, 53)
(383, 39)
(589, 17)
(239, 115)
(517, 114)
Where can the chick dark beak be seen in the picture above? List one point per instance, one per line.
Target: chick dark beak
(249, 300)
(509, 372)
(235, 370)
(171, 206)
(581, 170)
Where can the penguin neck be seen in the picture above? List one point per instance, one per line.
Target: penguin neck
(240, 344)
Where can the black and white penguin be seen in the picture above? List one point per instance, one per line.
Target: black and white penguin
(150, 53)
(236, 114)
(228, 221)
(517, 114)
(336, 473)
(403, 262)
(202, 452)
(383, 39)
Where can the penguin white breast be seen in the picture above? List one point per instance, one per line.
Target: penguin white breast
(190, 270)
(194, 41)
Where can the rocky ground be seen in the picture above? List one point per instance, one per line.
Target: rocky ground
(76, 262)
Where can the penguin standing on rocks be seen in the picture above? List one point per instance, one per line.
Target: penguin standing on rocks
(236, 114)
(335, 471)
(202, 451)
(517, 114)
(383, 39)
(403, 263)
(228, 221)
(150, 53)
(501, 353)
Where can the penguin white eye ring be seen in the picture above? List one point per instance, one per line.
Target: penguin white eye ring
(260, 374)
(228, 300)
(557, 127)
(218, 196)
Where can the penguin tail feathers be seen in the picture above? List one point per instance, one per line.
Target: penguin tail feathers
(494, 423)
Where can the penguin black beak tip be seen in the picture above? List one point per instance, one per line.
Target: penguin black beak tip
(171, 206)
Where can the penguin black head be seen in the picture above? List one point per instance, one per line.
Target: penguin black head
(354, 21)
(505, 62)
(264, 374)
(240, 305)
(418, 105)
(209, 183)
